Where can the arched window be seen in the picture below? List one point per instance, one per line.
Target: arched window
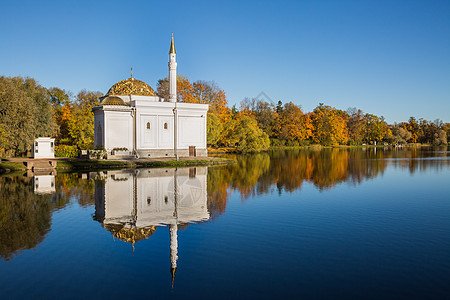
(148, 125)
(165, 125)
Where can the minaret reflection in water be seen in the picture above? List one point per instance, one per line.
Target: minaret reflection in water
(132, 204)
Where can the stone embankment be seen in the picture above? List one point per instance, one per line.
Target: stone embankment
(39, 165)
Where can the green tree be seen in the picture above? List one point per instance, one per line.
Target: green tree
(245, 133)
(400, 135)
(25, 112)
(214, 129)
(263, 112)
(375, 128)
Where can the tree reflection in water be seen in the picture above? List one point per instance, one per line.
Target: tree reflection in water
(25, 213)
(287, 170)
(25, 217)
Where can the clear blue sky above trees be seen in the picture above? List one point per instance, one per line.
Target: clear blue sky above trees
(388, 58)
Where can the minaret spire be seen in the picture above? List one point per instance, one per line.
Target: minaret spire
(172, 72)
(172, 46)
(173, 93)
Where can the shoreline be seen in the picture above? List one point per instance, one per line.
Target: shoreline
(8, 165)
(76, 164)
(232, 150)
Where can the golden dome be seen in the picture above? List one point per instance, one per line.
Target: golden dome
(130, 235)
(131, 86)
(112, 100)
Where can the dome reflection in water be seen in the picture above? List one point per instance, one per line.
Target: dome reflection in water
(131, 204)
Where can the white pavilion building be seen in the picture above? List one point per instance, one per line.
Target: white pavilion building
(131, 116)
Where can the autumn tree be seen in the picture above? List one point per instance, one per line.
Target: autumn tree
(81, 119)
(413, 127)
(330, 125)
(375, 128)
(293, 124)
(446, 128)
(214, 130)
(61, 108)
(356, 125)
(185, 90)
(262, 111)
(208, 92)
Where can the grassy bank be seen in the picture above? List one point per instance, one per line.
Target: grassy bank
(6, 166)
(78, 164)
(74, 164)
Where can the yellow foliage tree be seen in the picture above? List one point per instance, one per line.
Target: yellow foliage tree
(330, 125)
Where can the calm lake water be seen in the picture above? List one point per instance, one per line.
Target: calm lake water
(359, 223)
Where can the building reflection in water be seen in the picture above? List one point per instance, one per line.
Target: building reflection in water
(44, 184)
(131, 204)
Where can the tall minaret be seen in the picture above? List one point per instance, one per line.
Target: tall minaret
(172, 72)
(173, 228)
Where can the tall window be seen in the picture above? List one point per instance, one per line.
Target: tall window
(165, 125)
(148, 125)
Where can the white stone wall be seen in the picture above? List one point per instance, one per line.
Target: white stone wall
(191, 132)
(191, 125)
(119, 130)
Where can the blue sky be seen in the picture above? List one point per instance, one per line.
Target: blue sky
(389, 58)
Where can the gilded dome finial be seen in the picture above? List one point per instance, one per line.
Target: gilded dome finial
(131, 72)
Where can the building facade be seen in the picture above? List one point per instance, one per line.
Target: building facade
(132, 118)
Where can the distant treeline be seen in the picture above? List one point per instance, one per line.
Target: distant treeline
(28, 110)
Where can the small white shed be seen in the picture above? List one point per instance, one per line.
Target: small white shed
(44, 147)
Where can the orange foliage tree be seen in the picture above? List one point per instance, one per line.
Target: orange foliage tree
(330, 125)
